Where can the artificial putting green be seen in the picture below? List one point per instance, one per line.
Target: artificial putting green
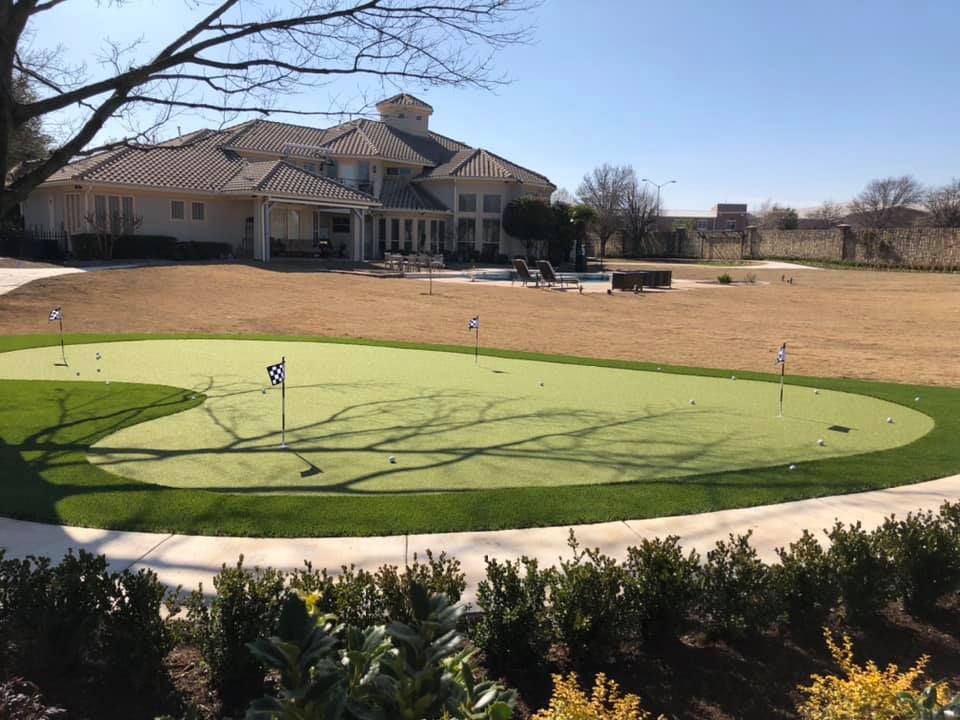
(47, 428)
(364, 419)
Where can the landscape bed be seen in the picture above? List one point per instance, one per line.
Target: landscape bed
(387, 438)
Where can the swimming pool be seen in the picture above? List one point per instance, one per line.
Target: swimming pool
(510, 275)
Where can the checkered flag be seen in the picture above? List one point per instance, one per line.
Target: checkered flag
(782, 354)
(56, 314)
(474, 323)
(277, 373)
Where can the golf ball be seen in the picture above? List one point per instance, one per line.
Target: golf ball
(107, 381)
(733, 377)
(193, 397)
(392, 459)
(658, 369)
(890, 421)
(263, 391)
(98, 369)
(78, 373)
(792, 467)
(541, 383)
(693, 402)
(917, 399)
(816, 392)
(821, 442)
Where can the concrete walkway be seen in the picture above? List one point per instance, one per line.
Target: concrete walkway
(188, 560)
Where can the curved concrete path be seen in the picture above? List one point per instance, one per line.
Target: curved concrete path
(190, 559)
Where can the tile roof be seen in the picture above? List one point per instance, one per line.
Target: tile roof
(405, 99)
(400, 194)
(480, 163)
(278, 177)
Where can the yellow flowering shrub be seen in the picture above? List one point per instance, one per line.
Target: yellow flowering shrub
(605, 702)
(862, 692)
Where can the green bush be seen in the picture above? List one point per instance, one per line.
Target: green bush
(805, 584)
(926, 558)
(411, 670)
(126, 247)
(202, 250)
(76, 615)
(246, 606)
(864, 570)
(585, 609)
(438, 575)
(514, 629)
(736, 597)
(659, 587)
(724, 279)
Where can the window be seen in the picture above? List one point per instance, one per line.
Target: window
(407, 235)
(466, 231)
(198, 211)
(398, 171)
(491, 238)
(701, 224)
(731, 224)
(419, 117)
(468, 202)
(394, 235)
(293, 224)
(382, 235)
(341, 224)
(74, 213)
(421, 235)
(433, 236)
(401, 115)
(176, 210)
(310, 167)
(441, 236)
(127, 204)
(491, 203)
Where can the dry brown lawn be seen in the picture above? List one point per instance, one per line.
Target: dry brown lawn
(901, 327)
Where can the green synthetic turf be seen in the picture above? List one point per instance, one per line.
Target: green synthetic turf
(449, 424)
(47, 426)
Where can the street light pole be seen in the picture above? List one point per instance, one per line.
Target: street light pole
(658, 186)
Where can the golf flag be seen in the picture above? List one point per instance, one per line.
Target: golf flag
(278, 376)
(57, 314)
(782, 355)
(277, 373)
(474, 325)
(782, 361)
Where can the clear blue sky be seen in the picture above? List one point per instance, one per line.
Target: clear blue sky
(741, 100)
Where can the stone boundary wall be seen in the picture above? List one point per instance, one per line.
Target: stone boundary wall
(923, 248)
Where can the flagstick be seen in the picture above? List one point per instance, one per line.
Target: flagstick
(283, 404)
(476, 350)
(783, 367)
(63, 352)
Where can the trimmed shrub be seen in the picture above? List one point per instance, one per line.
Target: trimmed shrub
(514, 629)
(863, 691)
(585, 609)
(805, 583)
(437, 575)
(605, 702)
(724, 279)
(659, 587)
(736, 597)
(203, 250)
(127, 247)
(864, 571)
(247, 606)
(926, 558)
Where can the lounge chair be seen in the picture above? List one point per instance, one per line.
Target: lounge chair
(551, 277)
(437, 262)
(523, 272)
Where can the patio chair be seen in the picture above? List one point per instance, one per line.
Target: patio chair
(551, 277)
(523, 272)
(436, 262)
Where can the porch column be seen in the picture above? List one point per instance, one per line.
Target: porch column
(375, 232)
(258, 229)
(357, 234)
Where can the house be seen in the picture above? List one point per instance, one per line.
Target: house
(358, 190)
(722, 216)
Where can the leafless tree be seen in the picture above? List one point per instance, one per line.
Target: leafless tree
(773, 216)
(109, 227)
(943, 204)
(562, 195)
(883, 202)
(240, 56)
(604, 189)
(639, 214)
(827, 215)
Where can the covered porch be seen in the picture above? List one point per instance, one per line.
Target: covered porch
(396, 231)
(304, 228)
